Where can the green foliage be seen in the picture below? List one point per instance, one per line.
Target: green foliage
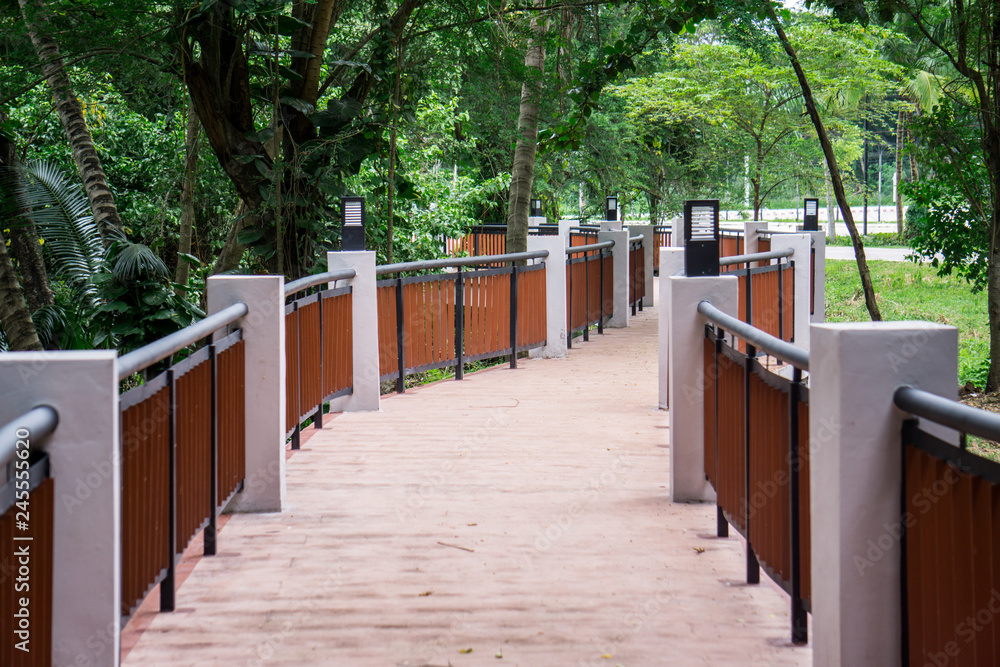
(950, 213)
(117, 298)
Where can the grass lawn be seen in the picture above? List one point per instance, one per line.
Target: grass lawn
(907, 291)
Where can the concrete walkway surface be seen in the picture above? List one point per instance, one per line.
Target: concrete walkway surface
(514, 518)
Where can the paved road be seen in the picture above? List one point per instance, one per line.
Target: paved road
(517, 513)
(884, 254)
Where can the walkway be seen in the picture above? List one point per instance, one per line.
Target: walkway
(514, 518)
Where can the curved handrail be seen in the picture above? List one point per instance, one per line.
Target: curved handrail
(318, 279)
(38, 422)
(947, 412)
(450, 262)
(756, 257)
(636, 239)
(146, 356)
(588, 248)
(760, 339)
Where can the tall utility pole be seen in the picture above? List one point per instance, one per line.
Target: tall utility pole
(864, 172)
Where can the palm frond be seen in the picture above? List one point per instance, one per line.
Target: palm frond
(132, 261)
(51, 323)
(65, 222)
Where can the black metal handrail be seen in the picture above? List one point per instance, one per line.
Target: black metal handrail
(764, 341)
(319, 279)
(947, 412)
(38, 422)
(146, 356)
(429, 264)
(589, 248)
(756, 257)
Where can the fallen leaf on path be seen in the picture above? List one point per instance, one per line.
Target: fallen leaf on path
(426, 593)
(700, 550)
(466, 650)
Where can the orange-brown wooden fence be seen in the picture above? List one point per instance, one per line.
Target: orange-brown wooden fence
(319, 362)
(30, 529)
(419, 318)
(173, 413)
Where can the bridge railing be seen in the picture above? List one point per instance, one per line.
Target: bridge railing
(489, 306)
(318, 347)
(27, 515)
(183, 451)
(589, 288)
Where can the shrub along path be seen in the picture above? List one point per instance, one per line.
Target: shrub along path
(514, 518)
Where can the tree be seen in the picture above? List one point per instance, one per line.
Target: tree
(831, 160)
(523, 171)
(88, 162)
(967, 34)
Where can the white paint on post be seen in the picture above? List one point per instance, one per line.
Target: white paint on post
(751, 238)
(85, 462)
(364, 329)
(555, 296)
(855, 461)
(650, 249)
(677, 232)
(671, 261)
(620, 311)
(611, 225)
(564, 227)
(264, 347)
(536, 220)
(819, 277)
(686, 372)
(801, 317)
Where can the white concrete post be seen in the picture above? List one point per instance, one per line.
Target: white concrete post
(650, 249)
(686, 373)
(677, 232)
(854, 476)
(536, 220)
(611, 225)
(819, 277)
(620, 311)
(564, 227)
(751, 238)
(364, 328)
(671, 261)
(85, 459)
(801, 244)
(264, 341)
(555, 295)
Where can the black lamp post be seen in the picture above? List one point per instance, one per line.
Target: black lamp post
(536, 208)
(611, 208)
(701, 237)
(352, 217)
(810, 215)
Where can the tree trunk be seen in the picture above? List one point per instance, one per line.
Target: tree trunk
(391, 190)
(14, 315)
(831, 159)
(831, 219)
(24, 242)
(95, 182)
(188, 181)
(900, 128)
(232, 250)
(523, 172)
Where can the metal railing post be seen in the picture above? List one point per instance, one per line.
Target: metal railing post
(318, 416)
(297, 408)
(753, 566)
(586, 297)
(211, 529)
(721, 524)
(168, 587)
(800, 623)
(459, 325)
(400, 337)
(513, 317)
(600, 319)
